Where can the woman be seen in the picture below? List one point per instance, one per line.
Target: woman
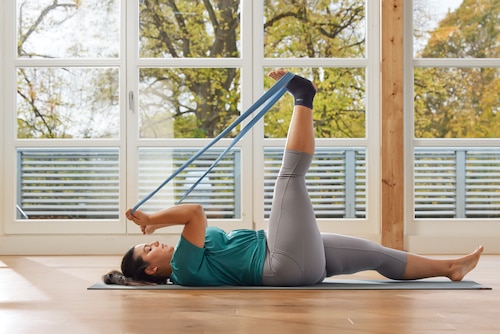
(292, 252)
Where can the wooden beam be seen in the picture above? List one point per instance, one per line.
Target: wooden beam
(392, 151)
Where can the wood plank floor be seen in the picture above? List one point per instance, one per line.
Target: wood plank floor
(45, 294)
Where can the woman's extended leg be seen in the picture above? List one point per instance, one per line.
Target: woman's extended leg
(348, 255)
(295, 250)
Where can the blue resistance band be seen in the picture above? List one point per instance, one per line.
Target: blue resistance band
(266, 101)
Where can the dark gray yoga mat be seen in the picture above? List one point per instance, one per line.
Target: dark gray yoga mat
(344, 284)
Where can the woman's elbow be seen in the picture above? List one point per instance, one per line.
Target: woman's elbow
(199, 213)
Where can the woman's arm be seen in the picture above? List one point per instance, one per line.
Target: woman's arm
(192, 216)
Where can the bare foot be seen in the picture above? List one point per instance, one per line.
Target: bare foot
(277, 74)
(465, 264)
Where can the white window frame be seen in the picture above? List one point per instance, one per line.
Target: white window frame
(35, 226)
(439, 235)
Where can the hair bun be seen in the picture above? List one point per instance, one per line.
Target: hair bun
(116, 277)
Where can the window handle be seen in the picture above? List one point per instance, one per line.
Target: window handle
(131, 101)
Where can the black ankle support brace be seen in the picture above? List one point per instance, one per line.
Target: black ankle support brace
(302, 90)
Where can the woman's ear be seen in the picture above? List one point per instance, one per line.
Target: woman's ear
(150, 270)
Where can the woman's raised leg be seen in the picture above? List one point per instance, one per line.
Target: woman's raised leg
(295, 250)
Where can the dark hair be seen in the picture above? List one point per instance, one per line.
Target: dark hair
(116, 277)
(133, 272)
(135, 268)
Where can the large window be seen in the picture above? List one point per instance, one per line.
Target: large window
(330, 42)
(188, 67)
(107, 98)
(65, 126)
(455, 102)
(103, 99)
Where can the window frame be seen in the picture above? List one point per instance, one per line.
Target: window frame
(251, 64)
(368, 227)
(12, 143)
(134, 63)
(429, 234)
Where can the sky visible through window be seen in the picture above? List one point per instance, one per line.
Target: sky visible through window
(427, 15)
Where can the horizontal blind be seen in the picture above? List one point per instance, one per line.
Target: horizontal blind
(68, 183)
(336, 181)
(482, 184)
(435, 183)
(84, 184)
(218, 192)
(457, 182)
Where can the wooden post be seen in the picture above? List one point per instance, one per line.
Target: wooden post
(392, 151)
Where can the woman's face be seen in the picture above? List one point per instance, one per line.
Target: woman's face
(157, 255)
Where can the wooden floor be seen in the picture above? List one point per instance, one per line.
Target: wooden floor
(48, 295)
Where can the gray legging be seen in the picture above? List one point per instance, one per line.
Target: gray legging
(298, 254)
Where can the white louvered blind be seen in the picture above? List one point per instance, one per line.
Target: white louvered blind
(482, 187)
(75, 183)
(219, 192)
(68, 183)
(457, 183)
(336, 181)
(83, 184)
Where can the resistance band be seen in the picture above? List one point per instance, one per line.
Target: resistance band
(266, 101)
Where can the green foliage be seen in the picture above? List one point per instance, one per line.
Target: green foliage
(192, 102)
(339, 106)
(189, 29)
(312, 29)
(461, 102)
(201, 102)
(65, 102)
(322, 28)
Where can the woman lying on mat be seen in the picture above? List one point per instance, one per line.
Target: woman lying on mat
(292, 252)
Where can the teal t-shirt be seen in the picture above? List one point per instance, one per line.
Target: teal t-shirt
(234, 258)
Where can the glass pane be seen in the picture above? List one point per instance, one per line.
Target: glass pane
(189, 29)
(314, 29)
(218, 192)
(456, 29)
(68, 29)
(67, 103)
(187, 102)
(339, 107)
(457, 102)
(68, 183)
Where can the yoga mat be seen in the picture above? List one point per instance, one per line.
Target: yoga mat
(425, 284)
